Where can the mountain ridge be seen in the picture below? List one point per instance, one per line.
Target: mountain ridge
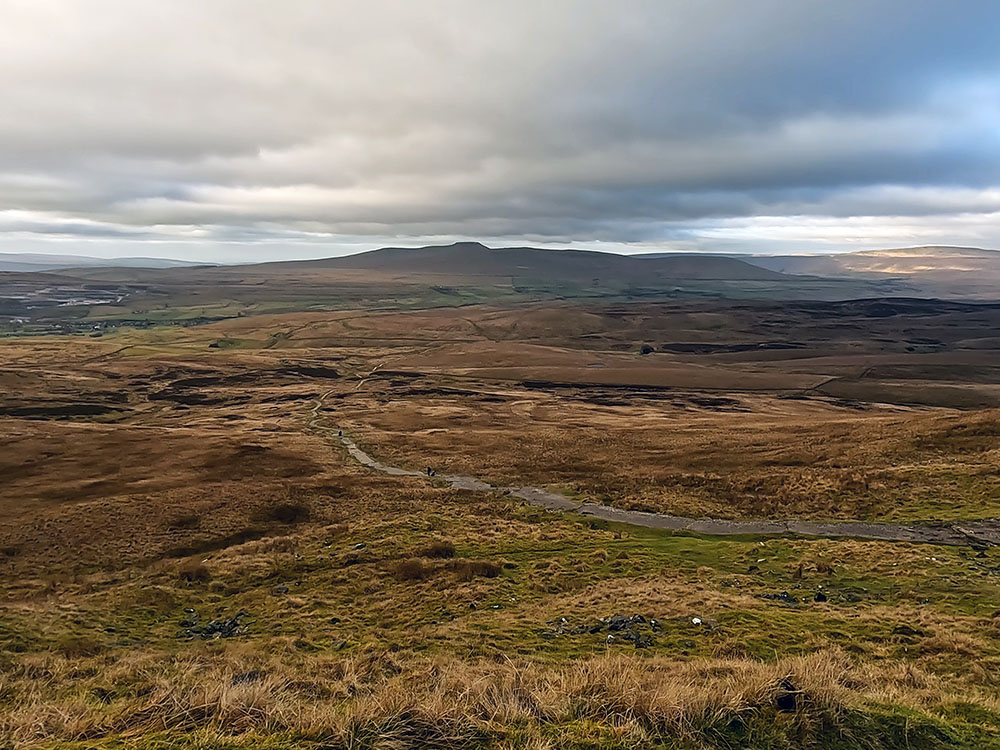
(42, 262)
(475, 258)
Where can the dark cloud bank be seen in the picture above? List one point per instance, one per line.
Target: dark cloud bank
(251, 129)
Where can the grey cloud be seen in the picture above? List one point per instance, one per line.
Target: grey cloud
(292, 124)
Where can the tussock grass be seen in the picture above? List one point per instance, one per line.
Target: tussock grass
(74, 646)
(412, 569)
(416, 569)
(438, 549)
(287, 513)
(194, 571)
(469, 569)
(411, 702)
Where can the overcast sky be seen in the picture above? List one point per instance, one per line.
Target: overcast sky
(250, 129)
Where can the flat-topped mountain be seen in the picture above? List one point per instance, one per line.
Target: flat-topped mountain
(476, 259)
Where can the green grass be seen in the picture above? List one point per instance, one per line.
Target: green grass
(557, 566)
(542, 580)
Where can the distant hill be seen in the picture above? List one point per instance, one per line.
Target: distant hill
(475, 259)
(43, 262)
(932, 251)
(931, 261)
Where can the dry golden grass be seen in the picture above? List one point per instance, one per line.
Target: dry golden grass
(437, 549)
(420, 702)
(768, 458)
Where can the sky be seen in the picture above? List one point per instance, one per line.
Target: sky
(231, 130)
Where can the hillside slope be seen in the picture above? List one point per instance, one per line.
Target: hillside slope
(931, 259)
(44, 262)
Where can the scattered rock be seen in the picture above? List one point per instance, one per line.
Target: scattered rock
(639, 639)
(226, 628)
(820, 597)
(784, 597)
(616, 623)
(281, 589)
(191, 619)
(626, 629)
(787, 697)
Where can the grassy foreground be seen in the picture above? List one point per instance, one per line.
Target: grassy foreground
(415, 642)
(224, 697)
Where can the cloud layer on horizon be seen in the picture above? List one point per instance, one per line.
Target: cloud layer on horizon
(251, 129)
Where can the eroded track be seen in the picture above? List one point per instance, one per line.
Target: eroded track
(978, 532)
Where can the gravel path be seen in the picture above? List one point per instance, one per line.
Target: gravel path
(981, 532)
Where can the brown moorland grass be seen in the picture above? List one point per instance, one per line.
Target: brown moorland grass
(413, 569)
(437, 549)
(444, 702)
(466, 570)
(198, 457)
(194, 571)
(768, 458)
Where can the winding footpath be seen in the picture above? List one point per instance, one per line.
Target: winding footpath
(979, 532)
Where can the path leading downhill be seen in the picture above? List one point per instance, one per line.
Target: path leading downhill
(979, 532)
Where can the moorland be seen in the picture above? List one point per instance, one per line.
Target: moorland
(191, 557)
